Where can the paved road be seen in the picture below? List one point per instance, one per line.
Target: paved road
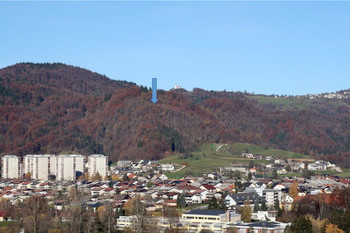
(217, 149)
(179, 169)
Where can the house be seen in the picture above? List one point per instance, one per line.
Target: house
(278, 161)
(264, 215)
(297, 166)
(109, 191)
(167, 167)
(124, 163)
(208, 187)
(188, 188)
(238, 199)
(170, 203)
(193, 198)
(281, 171)
(287, 201)
(58, 204)
(96, 191)
(318, 165)
(279, 186)
(241, 169)
(252, 170)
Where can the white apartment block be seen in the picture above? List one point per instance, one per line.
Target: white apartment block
(271, 195)
(11, 167)
(39, 166)
(67, 166)
(98, 163)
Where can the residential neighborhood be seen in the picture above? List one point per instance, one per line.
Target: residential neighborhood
(217, 204)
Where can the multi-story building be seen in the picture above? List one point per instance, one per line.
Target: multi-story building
(271, 196)
(11, 167)
(69, 167)
(39, 166)
(98, 163)
(195, 221)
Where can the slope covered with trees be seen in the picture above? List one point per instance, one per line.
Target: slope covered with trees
(49, 108)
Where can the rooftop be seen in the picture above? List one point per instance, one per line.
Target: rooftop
(206, 212)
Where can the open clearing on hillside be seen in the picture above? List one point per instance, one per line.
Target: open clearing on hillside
(212, 156)
(292, 103)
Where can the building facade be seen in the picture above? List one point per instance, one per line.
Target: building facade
(69, 167)
(98, 163)
(39, 166)
(10, 167)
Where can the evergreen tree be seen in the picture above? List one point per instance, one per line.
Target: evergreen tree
(249, 176)
(341, 219)
(222, 204)
(125, 177)
(256, 205)
(181, 201)
(280, 212)
(213, 204)
(301, 225)
(263, 206)
(274, 174)
(277, 204)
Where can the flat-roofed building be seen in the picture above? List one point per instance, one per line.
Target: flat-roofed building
(98, 163)
(273, 227)
(38, 166)
(69, 167)
(10, 167)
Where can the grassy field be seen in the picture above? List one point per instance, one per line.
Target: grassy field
(239, 148)
(296, 103)
(213, 156)
(345, 173)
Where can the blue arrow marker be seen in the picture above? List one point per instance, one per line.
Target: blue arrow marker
(154, 90)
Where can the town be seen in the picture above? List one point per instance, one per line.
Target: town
(77, 193)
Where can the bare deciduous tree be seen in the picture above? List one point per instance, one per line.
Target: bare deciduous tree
(37, 214)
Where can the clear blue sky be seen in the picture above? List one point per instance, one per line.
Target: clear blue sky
(261, 47)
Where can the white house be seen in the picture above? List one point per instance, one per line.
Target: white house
(167, 167)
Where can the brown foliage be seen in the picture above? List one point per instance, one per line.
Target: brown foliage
(55, 107)
(37, 215)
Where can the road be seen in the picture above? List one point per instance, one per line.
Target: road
(179, 169)
(217, 149)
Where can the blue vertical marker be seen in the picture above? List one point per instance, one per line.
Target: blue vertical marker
(154, 90)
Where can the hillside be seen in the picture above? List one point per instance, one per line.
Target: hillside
(210, 157)
(49, 108)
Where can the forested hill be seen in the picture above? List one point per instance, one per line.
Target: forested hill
(49, 108)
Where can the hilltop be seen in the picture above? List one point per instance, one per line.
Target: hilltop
(49, 108)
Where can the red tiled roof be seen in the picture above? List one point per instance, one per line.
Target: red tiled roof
(169, 201)
(209, 186)
(108, 189)
(188, 187)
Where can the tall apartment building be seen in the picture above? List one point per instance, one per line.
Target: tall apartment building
(11, 167)
(39, 166)
(69, 166)
(98, 163)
